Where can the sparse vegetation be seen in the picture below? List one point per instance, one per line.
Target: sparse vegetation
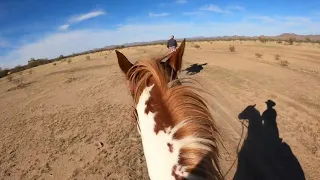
(291, 41)
(284, 63)
(9, 77)
(308, 39)
(262, 39)
(30, 71)
(102, 52)
(277, 57)
(54, 64)
(60, 57)
(69, 61)
(19, 82)
(197, 46)
(87, 57)
(232, 48)
(3, 72)
(258, 55)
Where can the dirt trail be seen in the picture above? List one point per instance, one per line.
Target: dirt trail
(73, 121)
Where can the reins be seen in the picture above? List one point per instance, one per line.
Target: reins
(237, 151)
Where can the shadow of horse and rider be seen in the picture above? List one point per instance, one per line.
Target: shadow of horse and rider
(263, 155)
(194, 68)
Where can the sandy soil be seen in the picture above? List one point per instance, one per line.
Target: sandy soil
(74, 121)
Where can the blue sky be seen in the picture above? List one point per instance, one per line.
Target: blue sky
(47, 28)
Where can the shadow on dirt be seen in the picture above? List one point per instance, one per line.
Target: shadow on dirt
(263, 155)
(194, 68)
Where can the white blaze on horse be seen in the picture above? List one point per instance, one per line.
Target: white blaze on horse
(178, 133)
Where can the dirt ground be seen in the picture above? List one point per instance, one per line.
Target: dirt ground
(74, 121)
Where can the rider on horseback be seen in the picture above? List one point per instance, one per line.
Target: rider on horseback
(172, 44)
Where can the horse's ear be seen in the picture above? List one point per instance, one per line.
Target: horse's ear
(123, 62)
(175, 60)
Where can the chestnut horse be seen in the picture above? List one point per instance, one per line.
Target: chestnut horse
(179, 137)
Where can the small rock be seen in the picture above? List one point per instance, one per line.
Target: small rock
(101, 144)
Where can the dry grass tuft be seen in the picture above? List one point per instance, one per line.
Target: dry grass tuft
(197, 46)
(258, 55)
(284, 63)
(232, 48)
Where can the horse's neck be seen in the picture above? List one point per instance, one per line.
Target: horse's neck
(255, 121)
(160, 149)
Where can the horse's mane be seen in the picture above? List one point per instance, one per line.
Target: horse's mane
(190, 117)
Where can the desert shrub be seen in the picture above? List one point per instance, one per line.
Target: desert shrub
(307, 39)
(87, 57)
(232, 48)
(284, 63)
(262, 39)
(54, 64)
(277, 57)
(279, 41)
(106, 57)
(19, 82)
(197, 46)
(3, 72)
(30, 71)
(69, 61)
(9, 77)
(258, 55)
(291, 40)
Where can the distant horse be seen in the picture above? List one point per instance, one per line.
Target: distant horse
(178, 133)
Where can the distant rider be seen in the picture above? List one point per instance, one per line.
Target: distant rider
(172, 44)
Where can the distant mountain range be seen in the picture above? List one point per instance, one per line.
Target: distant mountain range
(284, 36)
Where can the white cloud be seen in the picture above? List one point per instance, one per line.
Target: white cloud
(213, 8)
(217, 9)
(67, 42)
(294, 18)
(64, 27)
(263, 18)
(89, 15)
(288, 20)
(158, 15)
(181, 1)
(239, 8)
(79, 18)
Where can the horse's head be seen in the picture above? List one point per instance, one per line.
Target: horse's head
(249, 112)
(169, 66)
(177, 128)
